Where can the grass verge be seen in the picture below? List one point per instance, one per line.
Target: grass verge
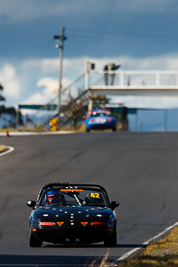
(2, 148)
(80, 128)
(164, 253)
(37, 129)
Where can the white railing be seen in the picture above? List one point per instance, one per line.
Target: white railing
(156, 79)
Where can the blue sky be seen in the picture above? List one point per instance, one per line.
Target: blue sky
(138, 34)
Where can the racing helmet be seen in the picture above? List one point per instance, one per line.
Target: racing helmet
(54, 196)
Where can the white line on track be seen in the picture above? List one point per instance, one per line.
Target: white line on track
(125, 256)
(9, 149)
(37, 133)
(20, 133)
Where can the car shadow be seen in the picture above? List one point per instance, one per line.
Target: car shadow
(66, 260)
(48, 261)
(92, 246)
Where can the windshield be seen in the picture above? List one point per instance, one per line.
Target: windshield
(99, 115)
(73, 197)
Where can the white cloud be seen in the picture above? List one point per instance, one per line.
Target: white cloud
(146, 102)
(51, 65)
(164, 62)
(37, 80)
(10, 82)
(49, 86)
(45, 66)
(36, 98)
(72, 68)
(47, 91)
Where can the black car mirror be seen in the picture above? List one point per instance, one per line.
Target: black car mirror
(114, 204)
(31, 203)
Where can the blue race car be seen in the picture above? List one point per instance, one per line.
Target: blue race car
(100, 119)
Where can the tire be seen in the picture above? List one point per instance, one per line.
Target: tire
(111, 239)
(88, 130)
(33, 242)
(114, 128)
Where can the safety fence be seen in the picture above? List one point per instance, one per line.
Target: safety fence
(133, 78)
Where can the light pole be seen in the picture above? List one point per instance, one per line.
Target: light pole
(62, 38)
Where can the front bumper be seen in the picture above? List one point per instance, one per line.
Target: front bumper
(90, 234)
(100, 126)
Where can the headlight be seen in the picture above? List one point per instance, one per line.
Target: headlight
(111, 221)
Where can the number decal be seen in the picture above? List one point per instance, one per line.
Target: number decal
(95, 195)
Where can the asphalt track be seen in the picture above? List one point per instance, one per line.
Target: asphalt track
(140, 170)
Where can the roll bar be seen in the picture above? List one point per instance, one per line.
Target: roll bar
(53, 185)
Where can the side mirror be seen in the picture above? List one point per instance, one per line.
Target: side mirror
(31, 203)
(114, 204)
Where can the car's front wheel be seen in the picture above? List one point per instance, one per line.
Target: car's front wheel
(111, 239)
(33, 242)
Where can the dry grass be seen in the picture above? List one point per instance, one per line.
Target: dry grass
(95, 263)
(81, 128)
(164, 253)
(3, 130)
(36, 129)
(2, 148)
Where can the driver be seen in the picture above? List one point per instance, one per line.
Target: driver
(54, 197)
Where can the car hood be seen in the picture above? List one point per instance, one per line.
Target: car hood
(75, 213)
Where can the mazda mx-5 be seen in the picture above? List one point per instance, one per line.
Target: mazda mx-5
(100, 119)
(72, 213)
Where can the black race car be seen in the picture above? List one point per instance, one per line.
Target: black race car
(73, 213)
